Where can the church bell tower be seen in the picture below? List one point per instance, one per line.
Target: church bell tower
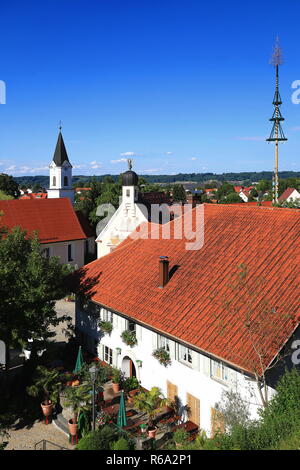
(60, 184)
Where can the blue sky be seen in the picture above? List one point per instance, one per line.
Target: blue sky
(183, 86)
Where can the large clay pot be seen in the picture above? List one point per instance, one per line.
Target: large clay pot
(47, 408)
(73, 427)
(152, 432)
(116, 387)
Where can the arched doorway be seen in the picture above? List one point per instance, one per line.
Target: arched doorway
(128, 367)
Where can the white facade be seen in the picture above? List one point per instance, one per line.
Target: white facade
(197, 379)
(293, 196)
(60, 184)
(123, 222)
(70, 252)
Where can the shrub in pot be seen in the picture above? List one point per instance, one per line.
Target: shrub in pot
(130, 386)
(162, 356)
(46, 382)
(129, 338)
(78, 399)
(106, 326)
(150, 402)
(117, 379)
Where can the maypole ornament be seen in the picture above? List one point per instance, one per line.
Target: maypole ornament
(277, 134)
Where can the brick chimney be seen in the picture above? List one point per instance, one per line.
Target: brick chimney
(163, 271)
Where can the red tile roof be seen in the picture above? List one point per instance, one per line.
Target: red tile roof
(199, 306)
(286, 194)
(34, 196)
(54, 219)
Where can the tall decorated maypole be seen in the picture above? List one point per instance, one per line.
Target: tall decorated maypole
(277, 134)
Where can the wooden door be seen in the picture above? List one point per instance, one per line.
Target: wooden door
(194, 408)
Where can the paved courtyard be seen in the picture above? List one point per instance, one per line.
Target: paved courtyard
(24, 438)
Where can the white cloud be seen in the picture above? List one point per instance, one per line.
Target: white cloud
(11, 168)
(194, 158)
(118, 161)
(93, 163)
(96, 166)
(127, 154)
(169, 153)
(151, 170)
(79, 166)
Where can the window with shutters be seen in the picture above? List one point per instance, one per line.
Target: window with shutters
(108, 355)
(185, 355)
(193, 404)
(219, 371)
(217, 422)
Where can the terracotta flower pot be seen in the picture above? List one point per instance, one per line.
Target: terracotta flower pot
(116, 387)
(73, 427)
(152, 432)
(47, 408)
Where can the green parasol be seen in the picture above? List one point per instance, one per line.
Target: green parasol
(79, 361)
(122, 412)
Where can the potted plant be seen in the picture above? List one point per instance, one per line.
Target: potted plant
(129, 338)
(48, 383)
(162, 356)
(150, 402)
(131, 386)
(180, 437)
(117, 377)
(78, 399)
(106, 326)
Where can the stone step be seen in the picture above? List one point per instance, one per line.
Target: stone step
(61, 423)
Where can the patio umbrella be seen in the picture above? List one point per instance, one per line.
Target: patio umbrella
(121, 422)
(79, 361)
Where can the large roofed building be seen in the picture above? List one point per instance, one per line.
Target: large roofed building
(211, 308)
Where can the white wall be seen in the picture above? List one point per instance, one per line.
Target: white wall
(61, 250)
(195, 380)
(123, 222)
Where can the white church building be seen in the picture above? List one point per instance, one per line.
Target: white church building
(129, 215)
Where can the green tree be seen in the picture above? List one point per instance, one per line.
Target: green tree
(230, 198)
(46, 382)
(78, 398)
(224, 190)
(4, 196)
(150, 402)
(9, 186)
(29, 286)
(179, 193)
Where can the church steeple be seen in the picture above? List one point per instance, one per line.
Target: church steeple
(60, 172)
(60, 154)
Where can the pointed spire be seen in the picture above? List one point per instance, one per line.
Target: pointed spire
(60, 154)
